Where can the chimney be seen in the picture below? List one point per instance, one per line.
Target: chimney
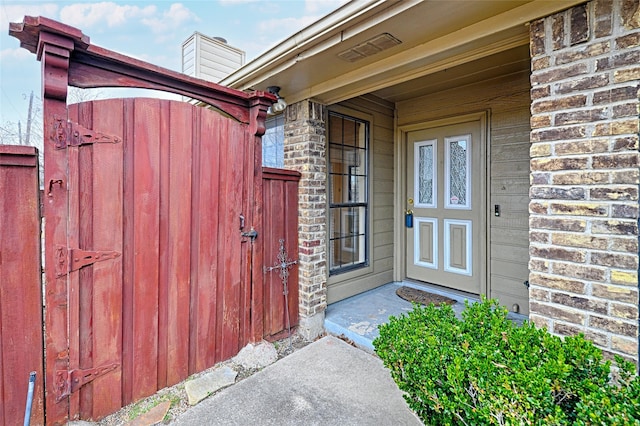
(210, 58)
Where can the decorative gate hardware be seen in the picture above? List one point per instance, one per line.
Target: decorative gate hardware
(78, 258)
(283, 264)
(69, 381)
(67, 133)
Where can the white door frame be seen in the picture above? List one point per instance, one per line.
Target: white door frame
(399, 270)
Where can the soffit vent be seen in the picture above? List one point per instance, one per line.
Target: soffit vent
(370, 47)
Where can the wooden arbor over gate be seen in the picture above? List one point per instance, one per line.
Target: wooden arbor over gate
(151, 268)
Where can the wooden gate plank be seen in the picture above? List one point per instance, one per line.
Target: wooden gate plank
(73, 303)
(107, 208)
(205, 219)
(232, 181)
(146, 190)
(128, 231)
(180, 221)
(250, 248)
(175, 259)
(80, 281)
(221, 243)
(291, 220)
(164, 244)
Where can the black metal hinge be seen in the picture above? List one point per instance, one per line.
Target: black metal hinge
(67, 133)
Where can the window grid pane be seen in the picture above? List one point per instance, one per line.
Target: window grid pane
(348, 193)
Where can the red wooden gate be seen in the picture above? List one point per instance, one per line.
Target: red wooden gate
(280, 200)
(149, 208)
(20, 290)
(155, 207)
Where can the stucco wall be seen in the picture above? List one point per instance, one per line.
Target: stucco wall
(584, 173)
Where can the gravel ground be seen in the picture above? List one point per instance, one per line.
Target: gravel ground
(178, 396)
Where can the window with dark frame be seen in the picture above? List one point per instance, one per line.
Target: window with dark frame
(348, 140)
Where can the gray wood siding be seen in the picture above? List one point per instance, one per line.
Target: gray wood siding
(381, 180)
(509, 233)
(507, 100)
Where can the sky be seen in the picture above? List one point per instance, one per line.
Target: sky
(149, 30)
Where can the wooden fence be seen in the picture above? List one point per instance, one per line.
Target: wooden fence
(20, 285)
(155, 235)
(21, 320)
(280, 218)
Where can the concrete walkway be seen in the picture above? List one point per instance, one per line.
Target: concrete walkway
(358, 318)
(326, 383)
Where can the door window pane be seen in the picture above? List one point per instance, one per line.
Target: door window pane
(458, 172)
(425, 171)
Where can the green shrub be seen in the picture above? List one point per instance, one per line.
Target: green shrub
(613, 405)
(483, 369)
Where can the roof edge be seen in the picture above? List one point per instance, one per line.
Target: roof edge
(314, 34)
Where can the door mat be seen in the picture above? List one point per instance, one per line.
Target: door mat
(419, 296)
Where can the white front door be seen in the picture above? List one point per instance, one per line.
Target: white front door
(445, 193)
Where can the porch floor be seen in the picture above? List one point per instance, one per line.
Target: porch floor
(357, 318)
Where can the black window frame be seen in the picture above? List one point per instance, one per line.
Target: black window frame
(333, 236)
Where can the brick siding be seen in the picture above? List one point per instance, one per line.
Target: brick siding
(583, 228)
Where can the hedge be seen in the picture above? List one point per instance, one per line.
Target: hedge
(484, 369)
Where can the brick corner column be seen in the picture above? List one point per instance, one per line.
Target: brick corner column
(583, 223)
(305, 152)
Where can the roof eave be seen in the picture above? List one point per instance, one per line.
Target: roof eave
(333, 28)
(359, 15)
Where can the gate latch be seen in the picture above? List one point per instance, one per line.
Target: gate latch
(69, 381)
(252, 234)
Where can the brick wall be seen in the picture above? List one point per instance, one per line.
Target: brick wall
(583, 226)
(304, 151)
